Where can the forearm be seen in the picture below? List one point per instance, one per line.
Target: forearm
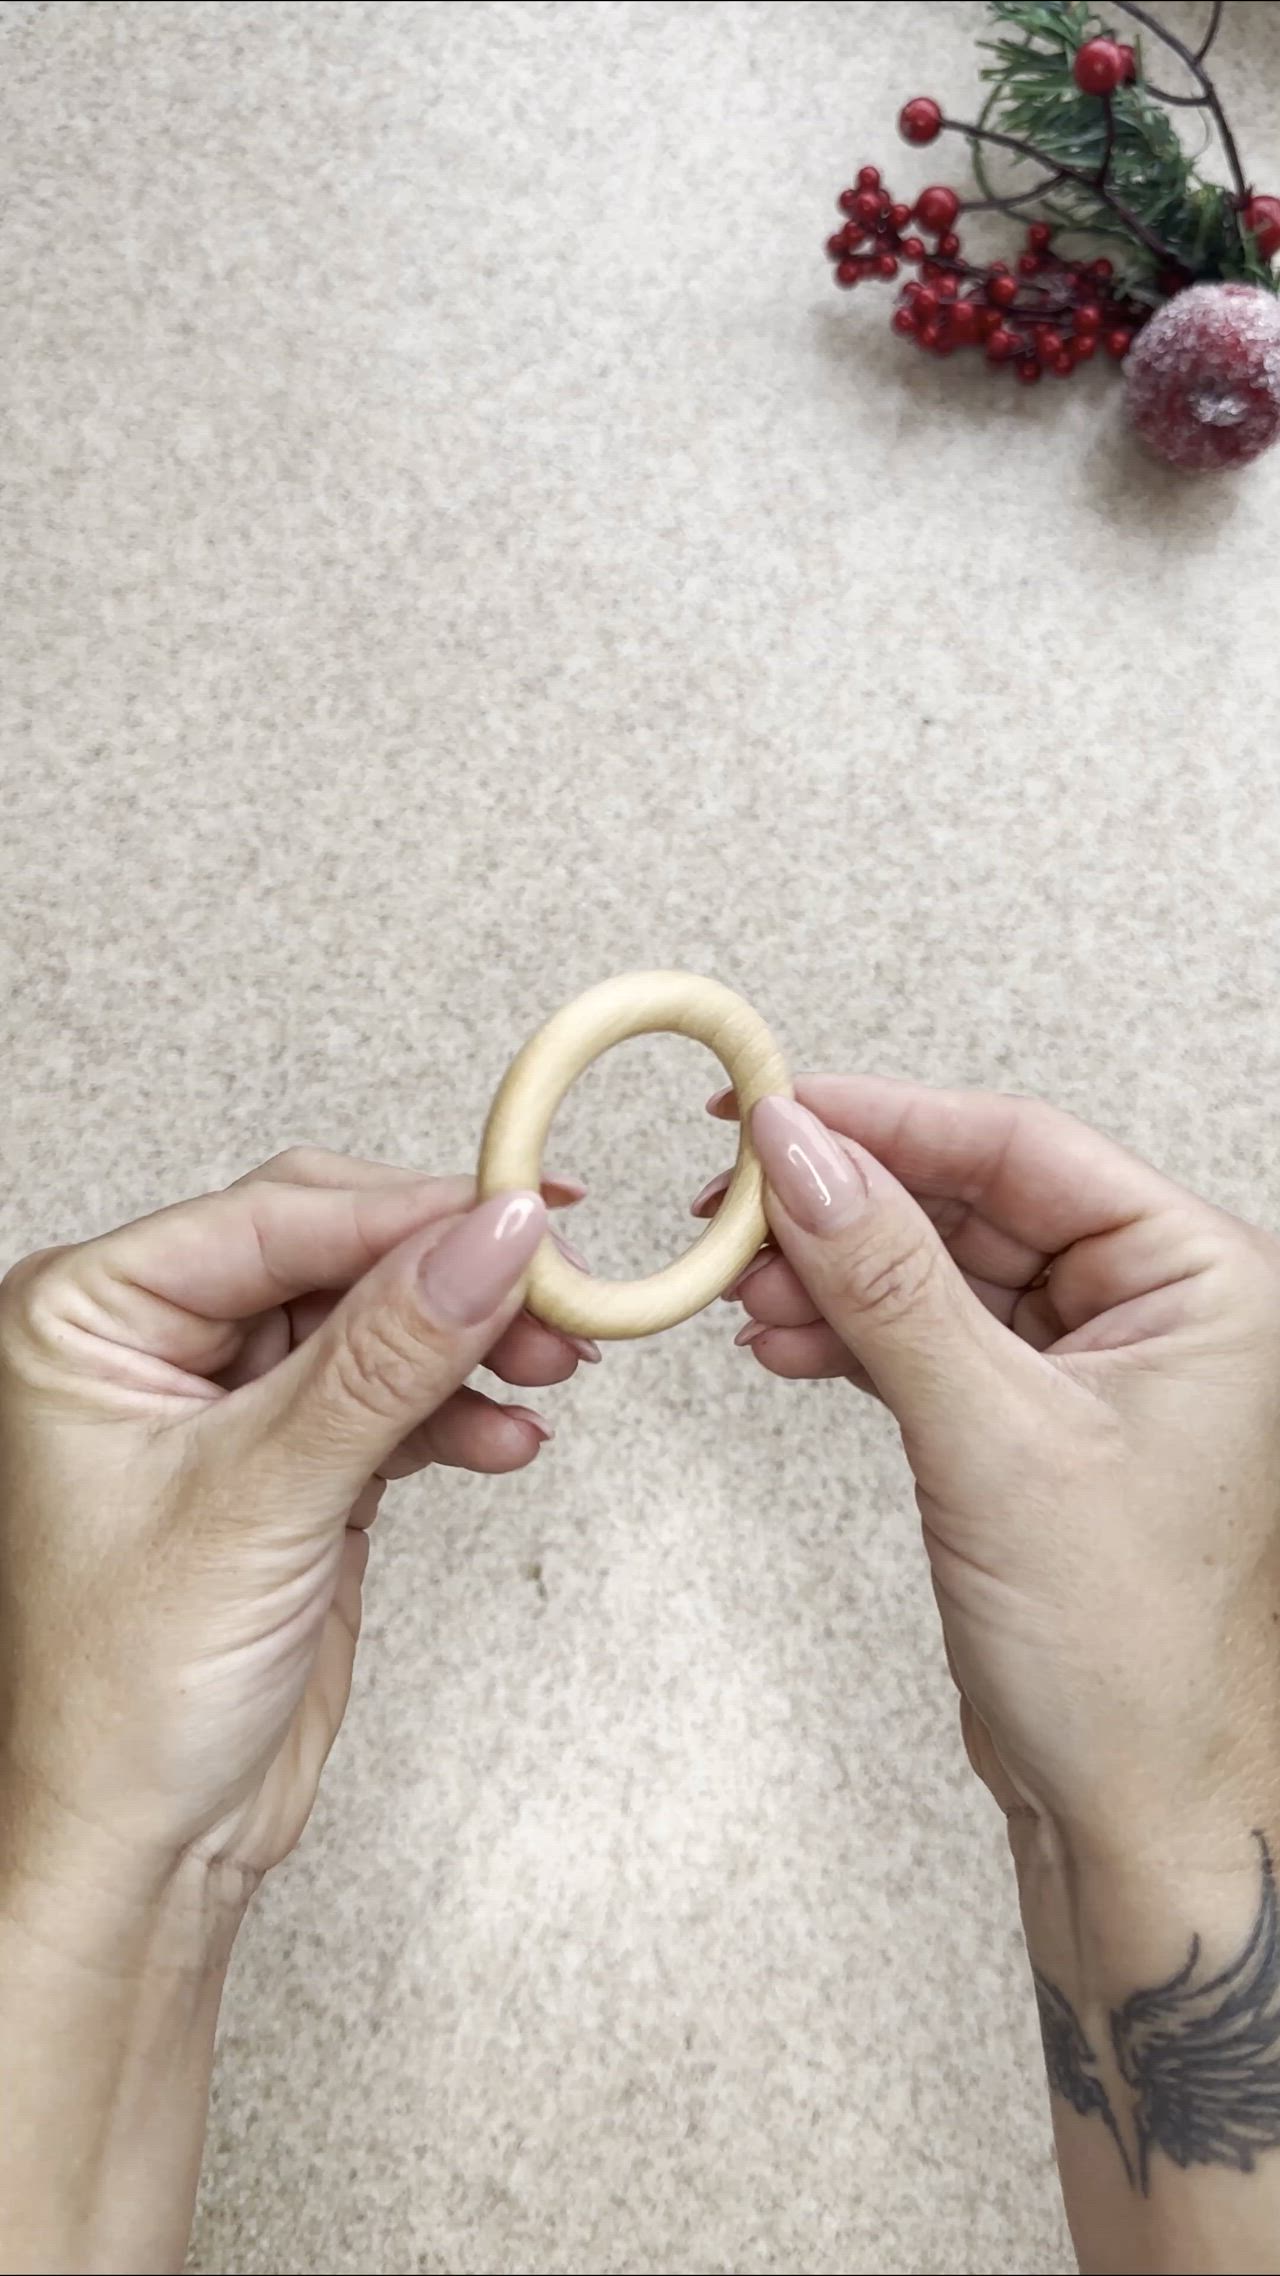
(1158, 1981)
(108, 2007)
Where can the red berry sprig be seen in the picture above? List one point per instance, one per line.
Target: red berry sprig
(1041, 311)
(1052, 315)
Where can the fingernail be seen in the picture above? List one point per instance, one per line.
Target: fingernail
(564, 1192)
(711, 1191)
(480, 1260)
(816, 1182)
(748, 1334)
(536, 1421)
(733, 1292)
(583, 1345)
(567, 1249)
(719, 1100)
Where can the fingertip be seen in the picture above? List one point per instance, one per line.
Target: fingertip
(723, 1105)
(706, 1202)
(563, 1193)
(530, 1421)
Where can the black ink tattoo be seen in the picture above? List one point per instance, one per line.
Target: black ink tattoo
(1069, 2060)
(1200, 2058)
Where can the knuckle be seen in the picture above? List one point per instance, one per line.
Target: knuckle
(383, 1365)
(891, 1281)
(294, 1165)
(28, 1285)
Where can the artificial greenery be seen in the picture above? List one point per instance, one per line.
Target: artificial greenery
(1116, 169)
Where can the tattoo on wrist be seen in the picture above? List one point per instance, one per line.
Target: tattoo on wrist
(1194, 2062)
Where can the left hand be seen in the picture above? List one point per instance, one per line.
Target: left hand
(198, 1414)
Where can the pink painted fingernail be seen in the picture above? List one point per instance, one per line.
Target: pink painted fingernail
(748, 1334)
(568, 1250)
(536, 1421)
(733, 1293)
(817, 1183)
(711, 1191)
(720, 1099)
(480, 1261)
(583, 1345)
(567, 1191)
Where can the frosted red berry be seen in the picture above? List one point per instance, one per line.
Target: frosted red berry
(886, 265)
(1262, 218)
(1038, 237)
(912, 249)
(899, 215)
(1117, 343)
(937, 207)
(1000, 345)
(868, 177)
(1002, 291)
(1028, 371)
(1128, 61)
(949, 244)
(920, 120)
(866, 207)
(1099, 67)
(1202, 381)
(903, 320)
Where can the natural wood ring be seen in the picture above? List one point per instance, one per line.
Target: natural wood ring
(636, 1003)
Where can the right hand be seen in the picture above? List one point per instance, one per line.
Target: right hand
(1084, 1360)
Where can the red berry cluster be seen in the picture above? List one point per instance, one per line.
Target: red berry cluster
(1050, 315)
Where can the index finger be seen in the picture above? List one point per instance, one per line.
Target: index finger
(317, 1165)
(1037, 1173)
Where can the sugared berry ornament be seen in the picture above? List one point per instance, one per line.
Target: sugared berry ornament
(1073, 101)
(1202, 382)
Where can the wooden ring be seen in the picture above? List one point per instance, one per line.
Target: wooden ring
(636, 1003)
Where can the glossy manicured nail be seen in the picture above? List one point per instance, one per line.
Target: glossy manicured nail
(733, 1293)
(748, 1334)
(700, 1206)
(568, 1250)
(536, 1421)
(723, 1104)
(583, 1345)
(816, 1182)
(465, 1278)
(563, 1193)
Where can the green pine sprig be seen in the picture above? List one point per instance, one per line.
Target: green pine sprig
(1115, 169)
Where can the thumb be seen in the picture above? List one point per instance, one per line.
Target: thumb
(874, 1265)
(399, 1344)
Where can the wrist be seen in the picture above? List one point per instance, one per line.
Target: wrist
(112, 1964)
(1112, 1910)
(79, 1895)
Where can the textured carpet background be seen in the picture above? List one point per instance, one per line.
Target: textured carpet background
(457, 546)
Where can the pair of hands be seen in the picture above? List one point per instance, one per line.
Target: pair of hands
(198, 1414)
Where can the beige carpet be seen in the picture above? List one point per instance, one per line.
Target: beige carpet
(458, 546)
